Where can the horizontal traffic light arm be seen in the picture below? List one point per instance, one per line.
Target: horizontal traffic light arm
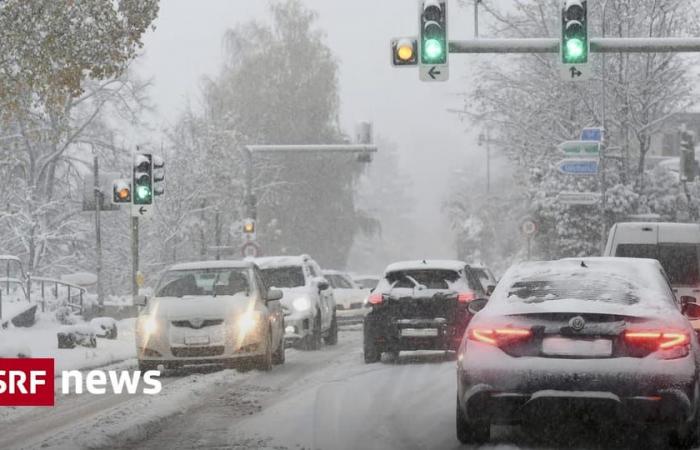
(312, 148)
(598, 45)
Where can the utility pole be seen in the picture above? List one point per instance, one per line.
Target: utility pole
(603, 181)
(476, 18)
(134, 255)
(98, 231)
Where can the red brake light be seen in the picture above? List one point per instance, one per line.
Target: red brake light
(499, 336)
(466, 297)
(375, 299)
(657, 340)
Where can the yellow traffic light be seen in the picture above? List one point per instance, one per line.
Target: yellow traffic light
(249, 227)
(405, 51)
(123, 194)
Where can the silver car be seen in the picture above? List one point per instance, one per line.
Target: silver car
(602, 338)
(214, 312)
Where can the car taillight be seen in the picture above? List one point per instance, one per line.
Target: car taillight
(375, 299)
(500, 336)
(652, 340)
(466, 297)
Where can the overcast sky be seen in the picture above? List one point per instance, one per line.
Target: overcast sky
(187, 45)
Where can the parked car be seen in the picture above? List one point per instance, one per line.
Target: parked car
(604, 336)
(366, 281)
(308, 301)
(213, 312)
(349, 297)
(419, 305)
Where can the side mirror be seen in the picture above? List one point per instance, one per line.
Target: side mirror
(274, 294)
(691, 310)
(321, 283)
(489, 289)
(140, 300)
(477, 305)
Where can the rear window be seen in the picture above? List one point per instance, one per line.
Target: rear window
(284, 277)
(680, 261)
(607, 289)
(431, 279)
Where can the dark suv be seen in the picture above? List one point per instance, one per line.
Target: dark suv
(420, 305)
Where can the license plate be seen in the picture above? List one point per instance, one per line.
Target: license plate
(419, 332)
(196, 340)
(557, 346)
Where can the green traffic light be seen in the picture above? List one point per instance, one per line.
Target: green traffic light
(143, 192)
(574, 49)
(433, 49)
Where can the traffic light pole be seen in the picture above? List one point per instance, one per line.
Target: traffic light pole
(98, 232)
(134, 255)
(598, 45)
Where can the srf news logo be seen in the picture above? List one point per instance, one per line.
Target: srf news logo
(30, 382)
(26, 382)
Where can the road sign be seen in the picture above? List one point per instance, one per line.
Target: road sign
(575, 72)
(592, 134)
(578, 198)
(250, 250)
(580, 148)
(529, 227)
(141, 211)
(440, 72)
(578, 166)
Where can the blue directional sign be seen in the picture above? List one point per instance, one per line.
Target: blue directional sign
(578, 166)
(592, 134)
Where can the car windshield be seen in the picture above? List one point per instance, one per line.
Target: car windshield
(338, 281)
(681, 262)
(203, 282)
(284, 277)
(367, 283)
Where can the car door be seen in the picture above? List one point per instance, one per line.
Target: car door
(275, 310)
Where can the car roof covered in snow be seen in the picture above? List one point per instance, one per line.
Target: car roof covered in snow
(269, 262)
(438, 264)
(335, 272)
(222, 264)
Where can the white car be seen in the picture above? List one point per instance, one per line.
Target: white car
(349, 296)
(308, 301)
(213, 312)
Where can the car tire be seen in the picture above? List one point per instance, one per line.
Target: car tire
(279, 356)
(313, 340)
(264, 362)
(394, 355)
(332, 338)
(471, 432)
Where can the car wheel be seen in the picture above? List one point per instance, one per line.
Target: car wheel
(313, 341)
(279, 356)
(264, 362)
(332, 337)
(372, 353)
(394, 355)
(471, 432)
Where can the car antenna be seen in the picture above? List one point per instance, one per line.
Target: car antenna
(583, 264)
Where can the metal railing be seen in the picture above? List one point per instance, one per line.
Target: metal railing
(51, 293)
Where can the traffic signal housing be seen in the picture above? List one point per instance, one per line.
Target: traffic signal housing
(433, 32)
(687, 156)
(143, 179)
(574, 32)
(121, 192)
(158, 167)
(404, 52)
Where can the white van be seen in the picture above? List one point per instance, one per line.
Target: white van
(675, 245)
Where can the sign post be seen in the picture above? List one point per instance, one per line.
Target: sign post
(529, 228)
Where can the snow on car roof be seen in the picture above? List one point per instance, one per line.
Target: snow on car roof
(222, 264)
(269, 262)
(426, 264)
(334, 272)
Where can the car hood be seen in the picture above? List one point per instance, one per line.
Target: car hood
(200, 306)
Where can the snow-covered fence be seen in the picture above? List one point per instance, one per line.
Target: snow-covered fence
(52, 294)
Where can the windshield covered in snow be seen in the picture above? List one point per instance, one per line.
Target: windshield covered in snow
(284, 277)
(613, 290)
(680, 261)
(200, 282)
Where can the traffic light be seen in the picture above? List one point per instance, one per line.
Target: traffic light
(158, 177)
(433, 32)
(121, 191)
(404, 52)
(574, 32)
(143, 179)
(687, 157)
(249, 229)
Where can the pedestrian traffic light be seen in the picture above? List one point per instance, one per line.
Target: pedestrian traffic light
(121, 191)
(158, 177)
(687, 156)
(143, 179)
(574, 32)
(433, 29)
(404, 52)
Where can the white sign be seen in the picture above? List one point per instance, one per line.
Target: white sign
(438, 72)
(142, 211)
(250, 250)
(575, 72)
(528, 227)
(578, 198)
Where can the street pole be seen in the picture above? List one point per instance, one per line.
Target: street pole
(476, 18)
(134, 255)
(217, 234)
(603, 181)
(98, 231)
(488, 161)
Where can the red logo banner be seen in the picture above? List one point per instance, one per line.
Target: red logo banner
(26, 382)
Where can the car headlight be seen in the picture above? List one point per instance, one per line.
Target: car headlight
(247, 322)
(302, 304)
(149, 325)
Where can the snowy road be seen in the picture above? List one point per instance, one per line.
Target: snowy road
(327, 399)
